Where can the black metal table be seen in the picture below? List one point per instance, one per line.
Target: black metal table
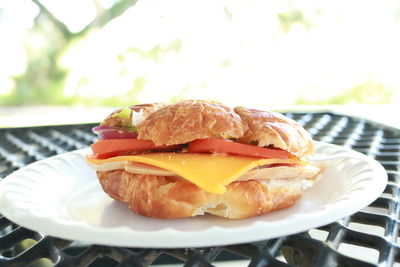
(23, 247)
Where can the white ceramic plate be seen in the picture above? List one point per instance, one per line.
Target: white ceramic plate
(60, 196)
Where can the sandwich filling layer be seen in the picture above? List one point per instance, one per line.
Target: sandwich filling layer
(210, 172)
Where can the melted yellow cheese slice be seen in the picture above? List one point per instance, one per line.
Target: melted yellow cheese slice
(212, 172)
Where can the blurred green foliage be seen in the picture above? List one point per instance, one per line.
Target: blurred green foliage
(158, 51)
(292, 16)
(43, 81)
(367, 92)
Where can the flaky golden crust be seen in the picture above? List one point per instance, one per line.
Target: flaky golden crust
(144, 109)
(267, 128)
(172, 197)
(189, 120)
(197, 119)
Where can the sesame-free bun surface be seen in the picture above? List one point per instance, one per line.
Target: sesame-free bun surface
(172, 197)
(185, 121)
(189, 120)
(267, 128)
(257, 192)
(144, 109)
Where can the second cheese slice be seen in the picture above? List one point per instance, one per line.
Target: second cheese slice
(211, 172)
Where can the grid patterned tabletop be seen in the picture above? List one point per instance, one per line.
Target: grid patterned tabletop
(366, 238)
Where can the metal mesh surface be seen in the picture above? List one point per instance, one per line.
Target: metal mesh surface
(366, 238)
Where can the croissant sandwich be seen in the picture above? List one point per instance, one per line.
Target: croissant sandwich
(196, 157)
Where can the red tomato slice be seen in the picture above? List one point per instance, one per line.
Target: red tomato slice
(228, 146)
(114, 147)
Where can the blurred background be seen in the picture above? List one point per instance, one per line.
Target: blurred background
(95, 55)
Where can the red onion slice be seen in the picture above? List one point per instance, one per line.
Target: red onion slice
(109, 132)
